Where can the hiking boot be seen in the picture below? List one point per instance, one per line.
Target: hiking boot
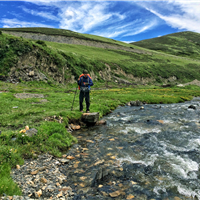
(81, 111)
(87, 111)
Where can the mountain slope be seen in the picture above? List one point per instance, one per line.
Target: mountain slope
(64, 33)
(186, 44)
(27, 59)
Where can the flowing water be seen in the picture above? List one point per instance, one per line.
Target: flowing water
(150, 153)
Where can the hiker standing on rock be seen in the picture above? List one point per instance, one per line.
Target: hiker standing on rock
(85, 81)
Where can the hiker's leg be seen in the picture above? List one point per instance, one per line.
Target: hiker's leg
(81, 95)
(87, 100)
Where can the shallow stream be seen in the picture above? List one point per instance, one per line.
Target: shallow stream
(150, 153)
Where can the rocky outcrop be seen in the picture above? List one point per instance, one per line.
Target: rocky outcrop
(26, 73)
(73, 40)
(121, 81)
(30, 67)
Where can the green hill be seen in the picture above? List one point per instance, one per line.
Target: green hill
(107, 60)
(186, 44)
(66, 33)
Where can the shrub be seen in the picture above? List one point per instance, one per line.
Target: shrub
(41, 42)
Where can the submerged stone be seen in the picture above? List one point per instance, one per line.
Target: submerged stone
(192, 107)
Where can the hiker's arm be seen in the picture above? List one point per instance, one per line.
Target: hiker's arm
(79, 81)
(90, 82)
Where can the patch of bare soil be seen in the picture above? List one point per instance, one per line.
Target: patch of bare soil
(28, 95)
(194, 82)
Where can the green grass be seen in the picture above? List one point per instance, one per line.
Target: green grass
(139, 65)
(184, 44)
(52, 136)
(7, 185)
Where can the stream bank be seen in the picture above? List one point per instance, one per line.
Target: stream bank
(150, 153)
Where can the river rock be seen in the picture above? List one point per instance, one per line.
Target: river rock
(31, 132)
(39, 179)
(75, 127)
(192, 107)
(90, 117)
(136, 103)
(101, 122)
(100, 175)
(18, 166)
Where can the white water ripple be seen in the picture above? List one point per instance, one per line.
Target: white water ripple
(181, 166)
(140, 130)
(188, 192)
(148, 161)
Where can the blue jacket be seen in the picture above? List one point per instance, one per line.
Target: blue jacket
(85, 80)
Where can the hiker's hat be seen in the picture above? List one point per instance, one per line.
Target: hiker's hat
(85, 71)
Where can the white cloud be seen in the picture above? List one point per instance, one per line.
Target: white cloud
(109, 34)
(94, 17)
(81, 16)
(103, 19)
(128, 42)
(45, 15)
(10, 23)
(140, 29)
(185, 17)
(84, 17)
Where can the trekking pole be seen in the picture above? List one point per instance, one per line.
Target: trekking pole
(74, 97)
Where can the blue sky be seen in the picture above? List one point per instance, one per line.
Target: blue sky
(126, 21)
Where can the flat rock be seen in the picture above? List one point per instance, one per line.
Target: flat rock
(90, 117)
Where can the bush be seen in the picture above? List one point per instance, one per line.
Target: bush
(41, 42)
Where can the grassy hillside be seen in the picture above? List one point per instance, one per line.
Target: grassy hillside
(138, 65)
(66, 33)
(186, 44)
(123, 64)
(12, 48)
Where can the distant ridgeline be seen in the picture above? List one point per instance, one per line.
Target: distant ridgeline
(45, 54)
(185, 44)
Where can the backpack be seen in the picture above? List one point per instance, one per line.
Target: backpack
(82, 79)
(85, 89)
